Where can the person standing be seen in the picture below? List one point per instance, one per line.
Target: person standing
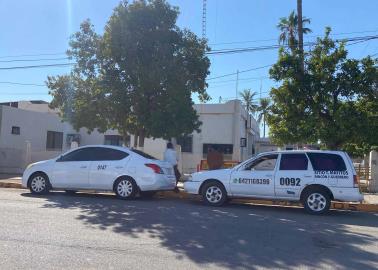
(171, 157)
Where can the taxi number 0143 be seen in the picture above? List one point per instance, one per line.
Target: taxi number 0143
(286, 181)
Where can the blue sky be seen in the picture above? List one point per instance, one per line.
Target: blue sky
(44, 26)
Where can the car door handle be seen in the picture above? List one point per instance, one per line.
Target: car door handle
(119, 167)
(307, 176)
(83, 167)
(269, 175)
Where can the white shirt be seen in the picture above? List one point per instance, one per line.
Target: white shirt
(171, 156)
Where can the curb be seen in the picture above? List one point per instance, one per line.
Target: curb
(10, 185)
(363, 207)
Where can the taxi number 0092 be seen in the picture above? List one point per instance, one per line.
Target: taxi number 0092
(286, 181)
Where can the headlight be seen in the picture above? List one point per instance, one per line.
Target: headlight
(30, 165)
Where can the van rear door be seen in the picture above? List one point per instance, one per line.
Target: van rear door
(331, 169)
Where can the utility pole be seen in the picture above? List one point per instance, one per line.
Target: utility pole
(237, 84)
(300, 32)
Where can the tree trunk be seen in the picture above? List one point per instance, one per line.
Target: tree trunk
(264, 127)
(136, 140)
(141, 139)
(300, 32)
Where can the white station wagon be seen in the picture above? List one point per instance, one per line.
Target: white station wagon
(98, 167)
(311, 177)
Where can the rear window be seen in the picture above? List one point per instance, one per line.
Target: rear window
(293, 162)
(143, 154)
(327, 162)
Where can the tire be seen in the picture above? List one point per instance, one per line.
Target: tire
(316, 201)
(39, 184)
(147, 194)
(125, 188)
(214, 193)
(71, 192)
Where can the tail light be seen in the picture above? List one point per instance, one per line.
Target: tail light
(356, 180)
(155, 168)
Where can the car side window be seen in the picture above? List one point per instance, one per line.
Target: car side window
(83, 154)
(102, 154)
(327, 162)
(293, 162)
(264, 163)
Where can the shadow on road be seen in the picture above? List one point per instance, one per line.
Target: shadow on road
(234, 236)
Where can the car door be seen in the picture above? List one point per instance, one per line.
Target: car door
(71, 170)
(255, 179)
(106, 166)
(294, 171)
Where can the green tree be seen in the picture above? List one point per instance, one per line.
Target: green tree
(139, 76)
(248, 99)
(335, 101)
(289, 30)
(263, 109)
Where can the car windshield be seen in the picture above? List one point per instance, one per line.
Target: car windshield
(143, 154)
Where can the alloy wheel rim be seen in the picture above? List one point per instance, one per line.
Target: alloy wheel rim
(316, 202)
(214, 194)
(125, 188)
(38, 184)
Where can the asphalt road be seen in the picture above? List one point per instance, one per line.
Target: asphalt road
(100, 232)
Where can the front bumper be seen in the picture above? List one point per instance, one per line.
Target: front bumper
(192, 187)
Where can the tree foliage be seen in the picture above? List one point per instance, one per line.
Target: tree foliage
(334, 101)
(138, 77)
(248, 99)
(289, 30)
(263, 111)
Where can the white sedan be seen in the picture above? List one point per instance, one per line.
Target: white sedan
(99, 167)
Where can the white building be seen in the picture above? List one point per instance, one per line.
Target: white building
(30, 131)
(224, 127)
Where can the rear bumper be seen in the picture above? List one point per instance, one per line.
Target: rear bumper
(347, 194)
(161, 182)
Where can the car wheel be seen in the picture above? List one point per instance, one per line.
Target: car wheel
(39, 184)
(71, 192)
(125, 188)
(147, 194)
(214, 193)
(317, 201)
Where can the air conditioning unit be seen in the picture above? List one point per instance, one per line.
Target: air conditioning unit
(72, 138)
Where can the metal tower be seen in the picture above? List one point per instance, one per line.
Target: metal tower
(204, 18)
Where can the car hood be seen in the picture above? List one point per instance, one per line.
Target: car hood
(217, 174)
(43, 162)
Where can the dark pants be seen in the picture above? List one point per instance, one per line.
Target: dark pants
(177, 173)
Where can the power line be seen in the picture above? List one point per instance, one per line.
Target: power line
(277, 46)
(37, 66)
(272, 39)
(27, 84)
(30, 55)
(242, 71)
(33, 60)
(244, 79)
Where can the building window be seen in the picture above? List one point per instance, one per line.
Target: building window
(113, 140)
(226, 149)
(16, 130)
(186, 143)
(54, 140)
